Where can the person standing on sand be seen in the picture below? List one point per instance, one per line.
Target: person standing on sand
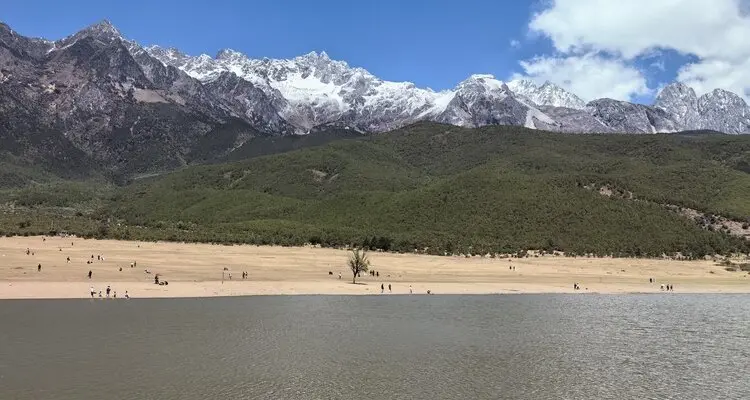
(410, 290)
(108, 290)
(339, 275)
(89, 274)
(382, 288)
(389, 288)
(93, 292)
(39, 268)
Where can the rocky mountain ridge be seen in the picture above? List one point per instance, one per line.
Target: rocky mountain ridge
(314, 90)
(97, 98)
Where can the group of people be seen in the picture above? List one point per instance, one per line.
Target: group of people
(108, 292)
(664, 287)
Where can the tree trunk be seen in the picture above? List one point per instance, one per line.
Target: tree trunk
(354, 279)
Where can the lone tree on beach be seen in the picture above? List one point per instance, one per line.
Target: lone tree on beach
(358, 262)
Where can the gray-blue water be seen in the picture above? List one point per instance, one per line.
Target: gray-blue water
(379, 347)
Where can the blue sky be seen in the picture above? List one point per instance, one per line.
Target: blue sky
(435, 43)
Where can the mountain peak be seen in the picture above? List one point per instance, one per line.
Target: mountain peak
(315, 55)
(548, 94)
(103, 27)
(229, 55)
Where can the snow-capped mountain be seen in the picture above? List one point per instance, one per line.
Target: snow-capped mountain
(124, 80)
(313, 90)
(718, 110)
(547, 94)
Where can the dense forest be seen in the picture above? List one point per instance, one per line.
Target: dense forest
(428, 187)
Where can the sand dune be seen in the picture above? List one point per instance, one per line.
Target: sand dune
(195, 270)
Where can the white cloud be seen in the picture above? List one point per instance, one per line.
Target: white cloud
(589, 76)
(710, 74)
(716, 32)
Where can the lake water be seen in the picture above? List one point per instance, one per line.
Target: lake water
(378, 347)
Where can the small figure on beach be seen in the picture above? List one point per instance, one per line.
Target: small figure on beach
(156, 279)
(99, 257)
(90, 274)
(39, 268)
(127, 296)
(100, 294)
(115, 294)
(661, 287)
(339, 275)
(93, 292)
(429, 291)
(382, 288)
(108, 290)
(410, 290)
(28, 251)
(389, 288)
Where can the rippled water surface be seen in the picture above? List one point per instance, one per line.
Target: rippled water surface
(378, 347)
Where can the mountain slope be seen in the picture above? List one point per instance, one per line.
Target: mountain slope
(100, 100)
(448, 188)
(313, 90)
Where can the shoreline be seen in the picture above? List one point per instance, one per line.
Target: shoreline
(10, 290)
(195, 270)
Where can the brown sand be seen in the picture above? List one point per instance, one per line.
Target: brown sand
(195, 270)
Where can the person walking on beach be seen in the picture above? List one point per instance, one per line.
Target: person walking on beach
(39, 268)
(410, 290)
(89, 274)
(382, 288)
(108, 290)
(389, 288)
(93, 292)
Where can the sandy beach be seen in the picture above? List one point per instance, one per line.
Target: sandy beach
(195, 270)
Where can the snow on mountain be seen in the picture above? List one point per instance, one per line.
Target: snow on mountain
(548, 94)
(718, 110)
(314, 90)
(724, 111)
(680, 102)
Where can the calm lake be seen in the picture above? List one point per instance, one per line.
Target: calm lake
(378, 347)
